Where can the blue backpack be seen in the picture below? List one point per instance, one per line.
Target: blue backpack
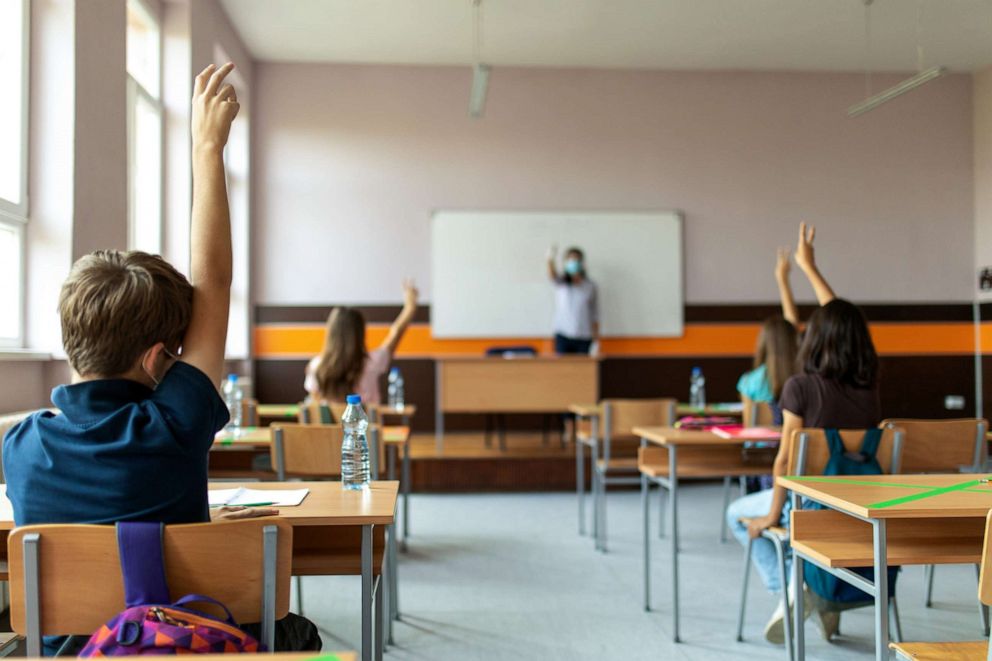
(842, 462)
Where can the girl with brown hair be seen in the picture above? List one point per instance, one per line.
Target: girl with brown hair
(345, 366)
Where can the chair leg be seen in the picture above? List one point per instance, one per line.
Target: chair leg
(983, 610)
(594, 488)
(662, 510)
(723, 512)
(580, 486)
(928, 571)
(786, 620)
(743, 485)
(299, 594)
(602, 517)
(896, 620)
(747, 575)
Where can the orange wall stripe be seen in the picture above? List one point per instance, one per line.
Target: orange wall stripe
(287, 341)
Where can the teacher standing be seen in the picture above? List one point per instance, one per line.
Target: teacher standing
(576, 304)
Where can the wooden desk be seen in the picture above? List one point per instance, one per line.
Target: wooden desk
(540, 384)
(876, 520)
(278, 411)
(685, 454)
(247, 438)
(727, 409)
(335, 532)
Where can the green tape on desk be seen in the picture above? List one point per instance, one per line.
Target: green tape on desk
(831, 479)
(921, 496)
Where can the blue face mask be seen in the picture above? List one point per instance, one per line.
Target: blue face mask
(573, 266)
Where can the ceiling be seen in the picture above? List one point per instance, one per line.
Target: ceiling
(643, 34)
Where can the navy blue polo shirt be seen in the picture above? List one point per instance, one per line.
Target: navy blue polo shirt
(118, 451)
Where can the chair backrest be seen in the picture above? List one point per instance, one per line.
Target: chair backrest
(249, 412)
(74, 572)
(315, 450)
(620, 416)
(307, 450)
(756, 414)
(320, 412)
(809, 452)
(942, 446)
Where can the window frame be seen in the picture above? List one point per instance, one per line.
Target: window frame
(19, 212)
(135, 90)
(15, 215)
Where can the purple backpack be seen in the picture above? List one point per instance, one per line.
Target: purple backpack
(152, 623)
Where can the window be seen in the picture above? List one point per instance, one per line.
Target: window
(144, 128)
(14, 15)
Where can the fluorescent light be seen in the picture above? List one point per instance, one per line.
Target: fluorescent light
(480, 85)
(905, 86)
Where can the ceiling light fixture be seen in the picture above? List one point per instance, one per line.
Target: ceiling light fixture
(480, 71)
(901, 88)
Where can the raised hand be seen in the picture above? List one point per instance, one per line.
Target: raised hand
(783, 264)
(552, 253)
(804, 249)
(215, 105)
(410, 293)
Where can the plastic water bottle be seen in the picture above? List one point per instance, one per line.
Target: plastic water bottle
(355, 447)
(697, 389)
(395, 389)
(233, 398)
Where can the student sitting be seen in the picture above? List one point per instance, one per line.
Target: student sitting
(837, 388)
(345, 366)
(775, 357)
(146, 348)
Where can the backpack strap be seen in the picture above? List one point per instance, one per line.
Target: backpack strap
(142, 563)
(870, 442)
(834, 442)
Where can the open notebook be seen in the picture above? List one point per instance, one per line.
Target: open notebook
(257, 497)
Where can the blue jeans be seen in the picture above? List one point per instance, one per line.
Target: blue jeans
(763, 554)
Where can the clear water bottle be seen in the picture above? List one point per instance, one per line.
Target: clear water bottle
(697, 389)
(233, 397)
(355, 447)
(395, 389)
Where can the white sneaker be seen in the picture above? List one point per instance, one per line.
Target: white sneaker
(775, 628)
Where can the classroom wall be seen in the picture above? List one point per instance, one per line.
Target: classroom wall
(352, 159)
(983, 171)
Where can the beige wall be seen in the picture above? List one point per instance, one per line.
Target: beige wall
(983, 171)
(353, 159)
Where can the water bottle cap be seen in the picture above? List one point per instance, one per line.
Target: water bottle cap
(394, 370)
(697, 370)
(232, 377)
(354, 399)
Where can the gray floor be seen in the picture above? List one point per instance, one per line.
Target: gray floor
(507, 576)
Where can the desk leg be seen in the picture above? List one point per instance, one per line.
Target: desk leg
(394, 581)
(580, 485)
(646, 511)
(438, 414)
(379, 638)
(367, 595)
(673, 504)
(406, 494)
(881, 590)
(799, 607)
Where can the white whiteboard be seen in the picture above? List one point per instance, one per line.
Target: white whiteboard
(489, 271)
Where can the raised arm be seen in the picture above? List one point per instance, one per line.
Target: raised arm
(782, 267)
(552, 271)
(399, 326)
(807, 262)
(215, 106)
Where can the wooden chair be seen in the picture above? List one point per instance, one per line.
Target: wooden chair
(320, 412)
(314, 450)
(618, 463)
(963, 651)
(756, 414)
(808, 455)
(944, 446)
(243, 564)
